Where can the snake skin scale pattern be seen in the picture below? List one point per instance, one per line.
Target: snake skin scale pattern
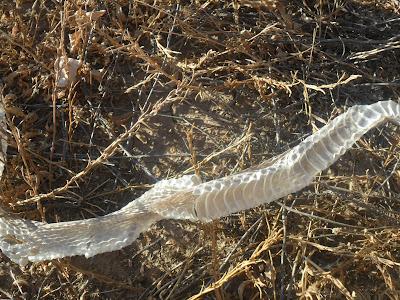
(188, 198)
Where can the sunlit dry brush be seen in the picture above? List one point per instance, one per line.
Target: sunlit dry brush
(249, 79)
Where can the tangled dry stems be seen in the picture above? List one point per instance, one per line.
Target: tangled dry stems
(200, 86)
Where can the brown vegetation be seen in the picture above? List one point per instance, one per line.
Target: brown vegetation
(165, 89)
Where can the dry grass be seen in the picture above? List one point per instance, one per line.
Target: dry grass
(167, 89)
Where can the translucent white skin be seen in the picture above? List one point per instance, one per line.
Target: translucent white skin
(187, 198)
(295, 169)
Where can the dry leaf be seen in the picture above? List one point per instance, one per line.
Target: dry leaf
(66, 71)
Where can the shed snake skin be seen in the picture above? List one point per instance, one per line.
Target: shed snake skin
(188, 198)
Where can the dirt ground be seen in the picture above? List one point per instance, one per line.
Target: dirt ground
(167, 88)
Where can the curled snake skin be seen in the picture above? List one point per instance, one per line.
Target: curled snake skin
(188, 198)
